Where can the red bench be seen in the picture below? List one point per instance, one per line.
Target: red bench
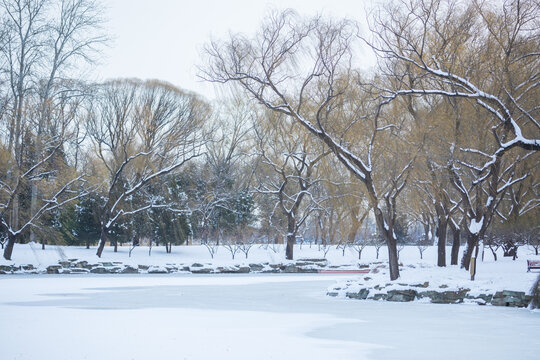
(533, 264)
(361, 271)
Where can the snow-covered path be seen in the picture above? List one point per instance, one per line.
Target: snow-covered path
(243, 317)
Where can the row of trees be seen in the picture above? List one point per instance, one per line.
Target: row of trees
(449, 114)
(442, 136)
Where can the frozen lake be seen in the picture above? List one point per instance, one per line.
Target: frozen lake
(243, 317)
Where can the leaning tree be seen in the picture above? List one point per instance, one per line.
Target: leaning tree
(302, 69)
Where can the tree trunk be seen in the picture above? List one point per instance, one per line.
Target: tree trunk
(441, 244)
(393, 258)
(33, 205)
(115, 244)
(387, 231)
(456, 234)
(291, 237)
(9, 247)
(494, 252)
(102, 241)
(317, 232)
(290, 246)
(472, 242)
(88, 243)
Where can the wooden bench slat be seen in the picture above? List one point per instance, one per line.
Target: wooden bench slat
(533, 264)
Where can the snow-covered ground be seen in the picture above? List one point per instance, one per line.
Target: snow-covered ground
(274, 316)
(504, 274)
(32, 253)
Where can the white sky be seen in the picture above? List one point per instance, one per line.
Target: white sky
(162, 39)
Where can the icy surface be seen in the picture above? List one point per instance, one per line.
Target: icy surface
(243, 317)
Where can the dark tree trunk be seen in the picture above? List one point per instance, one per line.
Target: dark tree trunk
(42, 243)
(88, 243)
(472, 242)
(456, 234)
(102, 241)
(441, 244)
(115, 244)
(494, 252)
(391, 243)
(291, 237)
(393, 259)
(290, 246)
(317, 232)
(9, 246)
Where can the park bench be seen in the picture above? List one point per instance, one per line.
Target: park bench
(533, 264)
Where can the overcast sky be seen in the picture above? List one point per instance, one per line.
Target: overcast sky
(162, 39)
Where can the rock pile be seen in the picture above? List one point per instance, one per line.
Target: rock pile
(406, 293)
(75, 266)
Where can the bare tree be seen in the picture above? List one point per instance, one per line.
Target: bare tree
(359, 245)
(288, 174)
(246, 244)
(267, 67)
(493, 242)
(377, 244)
(325, 248)
(230, 243)
(534, 240)
(140, 132)
(212, 247)
(421, 248)
(72, 36)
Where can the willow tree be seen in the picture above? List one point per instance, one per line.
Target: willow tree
(302, 69)
(483, 58)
